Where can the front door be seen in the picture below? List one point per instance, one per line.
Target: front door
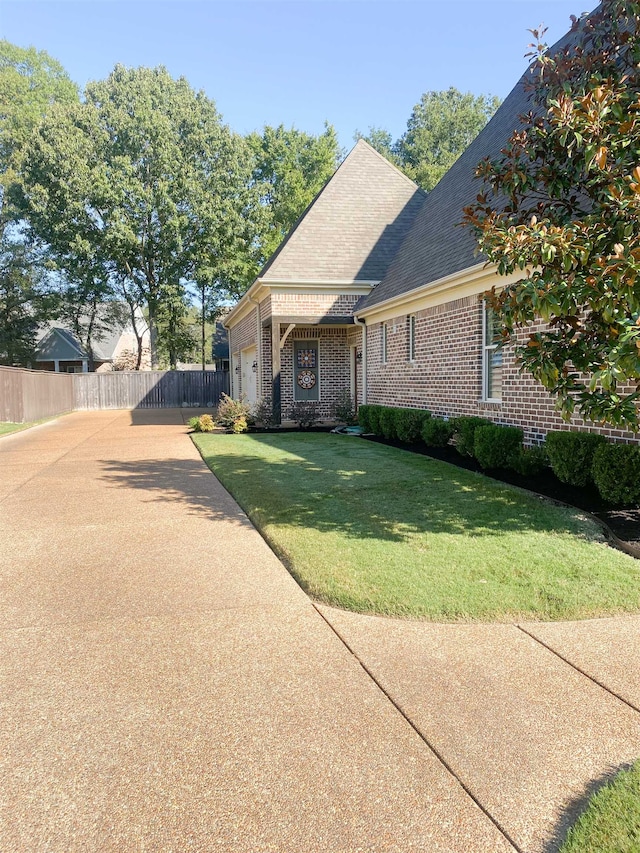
(306, 372)
(249, 368)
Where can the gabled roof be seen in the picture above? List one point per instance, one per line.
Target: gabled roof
(354, 226)
(437, 246)
(59, 344)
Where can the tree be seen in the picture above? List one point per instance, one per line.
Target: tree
(144, 179)
(30, 82)
(291, 167)
(23, 304)
(562, 204)
(440, 127)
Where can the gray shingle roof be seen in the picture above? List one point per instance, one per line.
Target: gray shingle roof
(354, 226)
(436, 245)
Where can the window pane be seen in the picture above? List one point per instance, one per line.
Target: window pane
(494, 374)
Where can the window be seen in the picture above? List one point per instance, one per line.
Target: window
(491, 356)
(384, 343)
(412, 338)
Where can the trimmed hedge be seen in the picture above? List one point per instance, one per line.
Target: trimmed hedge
(387, 423)
(436, 432)
(531, 461)
(465, 428)
(496, 446)
(369, 418)
(409, 424)
(616, 473)
(571, 455)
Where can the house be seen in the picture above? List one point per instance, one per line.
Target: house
(59, 350)
(293, 336)
(409, 326)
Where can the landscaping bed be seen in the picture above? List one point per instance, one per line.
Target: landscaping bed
(623, 523)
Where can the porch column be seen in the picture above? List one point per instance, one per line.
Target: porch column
(275, 372)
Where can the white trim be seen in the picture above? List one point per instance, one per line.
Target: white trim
(469, 282)
(385, 344)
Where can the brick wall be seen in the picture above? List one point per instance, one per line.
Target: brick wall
(312, 304)
(446, 376)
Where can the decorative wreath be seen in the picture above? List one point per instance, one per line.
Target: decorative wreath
(306, 379)
(306, 358)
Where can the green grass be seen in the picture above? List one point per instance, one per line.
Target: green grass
(376, 529)
(6, 427)
(611, 823)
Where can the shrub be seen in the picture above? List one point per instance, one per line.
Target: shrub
(364, 418)
(304, 413)
(531, 461)
(496, 446)
(388, 422)
(571, 455)
(239, 425)
(436, 432)
(262, 413)
(408, 424)
(231, 411)
(374, 419)
(204, 423)
(465, 428)
(616, 473)
(343, 410)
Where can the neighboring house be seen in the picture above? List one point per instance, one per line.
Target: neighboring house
(377, 291)
(59, 350)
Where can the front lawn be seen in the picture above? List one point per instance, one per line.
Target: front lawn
(7, 427)
(376, 529)
(611, 823)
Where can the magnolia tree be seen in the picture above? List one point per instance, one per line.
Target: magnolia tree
(562, 204)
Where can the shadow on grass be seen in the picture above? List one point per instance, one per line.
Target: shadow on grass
(365, 490)
(578, 805)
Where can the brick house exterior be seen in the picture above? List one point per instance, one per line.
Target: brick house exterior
(293, 336)
(391, 302)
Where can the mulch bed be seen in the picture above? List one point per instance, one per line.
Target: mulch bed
(623, 523)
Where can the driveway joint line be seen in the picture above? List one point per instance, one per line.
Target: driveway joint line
(579, 670)
(422, 737)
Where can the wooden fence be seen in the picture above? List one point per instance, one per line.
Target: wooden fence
(30, 395)
(149, 389)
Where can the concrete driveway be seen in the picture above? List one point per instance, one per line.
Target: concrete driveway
(166, 686)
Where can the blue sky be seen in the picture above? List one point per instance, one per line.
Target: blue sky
(354, 63)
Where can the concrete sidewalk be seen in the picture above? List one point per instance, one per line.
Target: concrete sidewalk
(166, 686)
